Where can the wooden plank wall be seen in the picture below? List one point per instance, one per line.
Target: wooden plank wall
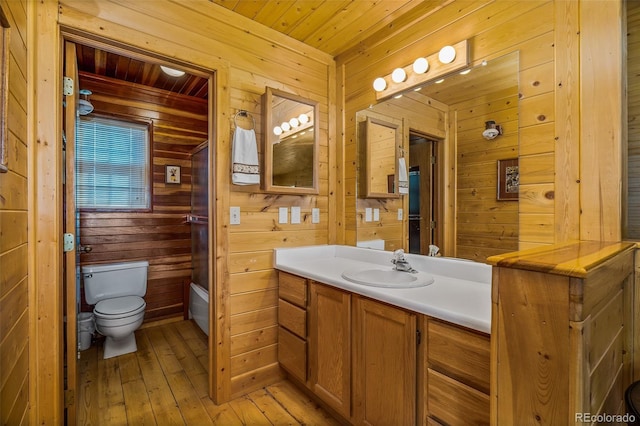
(245, 283)
(179, 124)
(494, 29)
(14, 286)
(633, 105)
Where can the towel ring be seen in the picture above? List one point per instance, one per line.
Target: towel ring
(243, 113)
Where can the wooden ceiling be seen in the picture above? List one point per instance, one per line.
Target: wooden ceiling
(332, 26)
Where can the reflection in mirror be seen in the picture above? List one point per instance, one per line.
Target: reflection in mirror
(291, 137)
(466, 219)
(380, 141)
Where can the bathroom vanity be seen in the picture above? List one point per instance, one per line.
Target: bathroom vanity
(386, 354)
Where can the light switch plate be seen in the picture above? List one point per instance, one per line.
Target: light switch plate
(368, 214)
(295, 214)
(400, 212)
(315, 215)
(283, 215)
(376, 215)
(235, 215)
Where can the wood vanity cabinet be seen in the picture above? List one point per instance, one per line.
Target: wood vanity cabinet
(384, 364)
(562, 330)
(292, 325)
(457, 374)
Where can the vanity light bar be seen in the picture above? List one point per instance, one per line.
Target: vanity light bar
(294, 125)
(424, 70)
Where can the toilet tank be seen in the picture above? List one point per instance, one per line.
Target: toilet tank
(106, 281)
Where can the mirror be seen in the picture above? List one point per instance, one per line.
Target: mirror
(454, 166)
(291, 143)
(381, 141)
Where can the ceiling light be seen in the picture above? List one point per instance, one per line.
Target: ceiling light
(379, 84)
(447, 54)
(171, 71)
(420, 65)
(398, 75)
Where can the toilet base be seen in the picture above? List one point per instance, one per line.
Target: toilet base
(115, 347)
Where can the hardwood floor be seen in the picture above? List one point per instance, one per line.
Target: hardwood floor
(165, 383)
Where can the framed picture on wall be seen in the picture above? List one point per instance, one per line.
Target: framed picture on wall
(172, 174)
(508, 179)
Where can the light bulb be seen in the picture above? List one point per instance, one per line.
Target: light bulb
(285, 126)
(447, 54)
(303, 118)
(277, 130)
(171, 71)
(420, 65)
(294, 122)
(398, 75)
(379, 84)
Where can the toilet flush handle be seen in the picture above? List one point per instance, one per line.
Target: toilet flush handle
(85, 249)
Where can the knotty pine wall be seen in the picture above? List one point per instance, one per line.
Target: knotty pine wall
(541, 31)
(162, 237)
(14, 286)
(244, 295)
(633, 75)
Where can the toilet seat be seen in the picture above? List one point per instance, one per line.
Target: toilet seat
(119, 307)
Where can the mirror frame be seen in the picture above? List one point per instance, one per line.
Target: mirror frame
(368, 158)
(267, 179)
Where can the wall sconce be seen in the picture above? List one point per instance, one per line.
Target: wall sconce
(492, 130)
(424, 70)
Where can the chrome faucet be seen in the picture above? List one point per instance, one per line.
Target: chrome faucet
(401, 262)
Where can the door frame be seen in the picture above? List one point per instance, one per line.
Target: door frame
(214, 72)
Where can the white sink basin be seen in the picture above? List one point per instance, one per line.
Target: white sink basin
(384, 277)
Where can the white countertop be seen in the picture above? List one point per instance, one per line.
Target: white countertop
(460, 293)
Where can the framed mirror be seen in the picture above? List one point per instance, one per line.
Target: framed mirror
(291, 143)
(379, 141)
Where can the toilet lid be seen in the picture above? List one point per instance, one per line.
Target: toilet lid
(119, 305)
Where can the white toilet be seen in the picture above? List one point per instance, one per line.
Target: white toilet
(116, 290)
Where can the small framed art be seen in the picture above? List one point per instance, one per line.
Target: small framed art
(172, 174)
(508, 179)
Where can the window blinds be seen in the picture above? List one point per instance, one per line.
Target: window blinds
(112, 164)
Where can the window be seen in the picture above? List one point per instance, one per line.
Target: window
(112, 164)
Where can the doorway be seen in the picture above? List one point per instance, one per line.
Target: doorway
(129, 87)
(423, 193)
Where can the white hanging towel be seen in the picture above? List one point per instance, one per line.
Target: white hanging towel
(244, 157)
(403, 177)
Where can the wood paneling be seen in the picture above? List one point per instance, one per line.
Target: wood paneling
(179, 124)
(15, 347)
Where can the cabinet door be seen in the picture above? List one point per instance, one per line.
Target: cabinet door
(330, 346)
(384, 364)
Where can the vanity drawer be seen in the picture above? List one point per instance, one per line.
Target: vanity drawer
(292, 318)
(292, 354)
(454, 403)
(460, 353)
(293, 289)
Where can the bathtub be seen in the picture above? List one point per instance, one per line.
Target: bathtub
(199, 306)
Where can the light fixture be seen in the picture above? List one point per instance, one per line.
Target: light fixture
(379, 84)
(465, 72)
(420, 65)
(303, 118)
(294, 122)
(398, 75)
(277, 130)
(84, 105)
(447, 54)
(439, 81)
(172, 71)
(285, 126)
(294, 126)
(424, 70)
(492, 130)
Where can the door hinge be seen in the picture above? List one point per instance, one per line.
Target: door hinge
(68, 242)
(418, 337)
(69, 397)
(67, 86)
(433, 224)
(433, 159)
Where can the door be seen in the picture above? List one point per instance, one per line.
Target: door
(70, 279)
(424, 208)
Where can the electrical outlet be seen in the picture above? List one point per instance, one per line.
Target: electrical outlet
(376, 215)
(283, 215)
(400, 212)
(235, 215)
(315, 215)
(368, 214)
(295, 214)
